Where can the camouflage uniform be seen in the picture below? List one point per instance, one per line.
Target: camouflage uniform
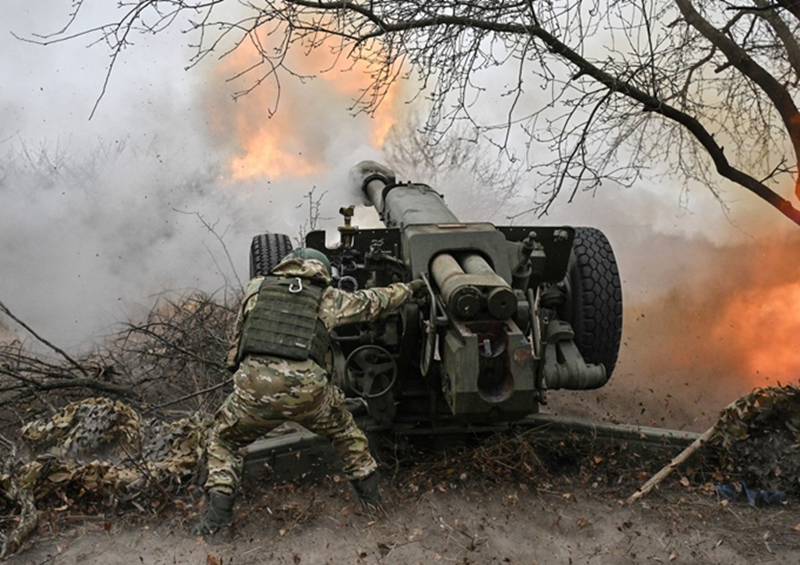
(269, 391)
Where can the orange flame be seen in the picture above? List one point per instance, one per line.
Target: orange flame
(293, 141)
(763, 326)
(268, 146)
(736, 328)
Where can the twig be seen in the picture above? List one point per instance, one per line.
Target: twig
(58, 350)
(680, 458)
(188, 396)
(7, 443)
(88, 383)
(220, 239)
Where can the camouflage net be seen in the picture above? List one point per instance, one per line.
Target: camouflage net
(759, 437)
(97, 447)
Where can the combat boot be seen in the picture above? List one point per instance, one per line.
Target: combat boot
(217, 522)
(368, 493)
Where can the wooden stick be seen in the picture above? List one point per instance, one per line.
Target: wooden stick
(663, 473)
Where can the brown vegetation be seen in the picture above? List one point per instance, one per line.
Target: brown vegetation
(172, 360)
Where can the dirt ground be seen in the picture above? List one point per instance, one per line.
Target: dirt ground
(475, 507)
(552, 524)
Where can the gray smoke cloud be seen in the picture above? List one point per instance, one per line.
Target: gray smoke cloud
(98, 216)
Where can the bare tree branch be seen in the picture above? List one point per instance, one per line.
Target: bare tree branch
(221, 239)
(718, 81)
(27, 328)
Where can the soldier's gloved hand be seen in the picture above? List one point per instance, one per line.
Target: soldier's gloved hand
(553, 297)
(417, 287)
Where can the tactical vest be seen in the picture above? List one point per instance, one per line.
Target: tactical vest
(284, 321)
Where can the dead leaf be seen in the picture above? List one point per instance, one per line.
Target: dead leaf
(60, 477)
(213, 560)
(685, 481)
(673, 556)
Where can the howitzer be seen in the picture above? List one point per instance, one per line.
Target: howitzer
(510, 312)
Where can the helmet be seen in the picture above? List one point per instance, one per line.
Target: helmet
(309, 253)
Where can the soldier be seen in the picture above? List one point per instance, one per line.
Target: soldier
(281, 337)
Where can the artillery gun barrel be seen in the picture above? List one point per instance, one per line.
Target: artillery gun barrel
(410, 204)
(467, 281)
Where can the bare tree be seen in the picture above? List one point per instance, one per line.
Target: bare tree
(690, 86)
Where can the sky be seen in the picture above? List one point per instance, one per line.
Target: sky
(161, 189)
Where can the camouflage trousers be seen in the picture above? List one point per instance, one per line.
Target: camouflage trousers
(268, 392)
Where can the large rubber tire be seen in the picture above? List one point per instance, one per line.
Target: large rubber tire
(266, 251)
(593, 304)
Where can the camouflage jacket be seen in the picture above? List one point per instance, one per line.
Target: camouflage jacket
(337, 308)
